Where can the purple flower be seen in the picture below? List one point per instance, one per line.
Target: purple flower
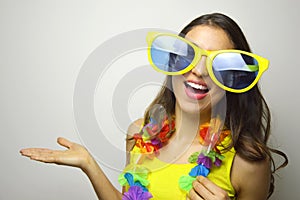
(218, 162)
(156, 142)
(136, 193)
(204, 160)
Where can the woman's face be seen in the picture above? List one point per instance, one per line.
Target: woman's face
(194, 90)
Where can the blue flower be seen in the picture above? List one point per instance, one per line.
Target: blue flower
(199, 170)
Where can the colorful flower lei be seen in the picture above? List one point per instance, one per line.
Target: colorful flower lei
(154, 136)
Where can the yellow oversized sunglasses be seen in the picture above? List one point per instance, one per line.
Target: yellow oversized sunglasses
(232, 70)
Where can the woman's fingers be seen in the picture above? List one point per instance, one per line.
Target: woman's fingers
(75, 155)
(206, 189)
(33, 151)
(47, 157)
(40, 154)
(202, 186)
(36, 151)
(64, 142)
(193, 195)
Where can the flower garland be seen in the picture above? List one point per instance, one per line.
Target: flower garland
(154, 136)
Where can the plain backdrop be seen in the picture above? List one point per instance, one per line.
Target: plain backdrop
(43, 45)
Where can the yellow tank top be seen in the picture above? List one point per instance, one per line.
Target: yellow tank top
(163, 177)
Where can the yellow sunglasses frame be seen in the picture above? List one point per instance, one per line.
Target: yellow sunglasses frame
(263, 63)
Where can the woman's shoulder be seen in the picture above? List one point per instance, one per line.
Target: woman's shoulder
(251, 178)
(133, 128)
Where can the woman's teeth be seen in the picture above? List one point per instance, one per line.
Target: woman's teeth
(196, 86)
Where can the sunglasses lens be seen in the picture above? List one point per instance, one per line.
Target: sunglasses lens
(171, 54)
(235, 70)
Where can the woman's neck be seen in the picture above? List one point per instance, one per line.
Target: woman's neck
(187, 124)
(185, 140)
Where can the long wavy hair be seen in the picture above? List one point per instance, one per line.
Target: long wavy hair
(247, 116)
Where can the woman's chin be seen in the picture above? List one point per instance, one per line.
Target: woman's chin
(193, 107)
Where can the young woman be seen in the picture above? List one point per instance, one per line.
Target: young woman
(205, 135)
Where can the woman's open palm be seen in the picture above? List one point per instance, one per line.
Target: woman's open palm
(75, 155)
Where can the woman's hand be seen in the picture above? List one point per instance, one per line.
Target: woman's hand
(75, 155)
(203, 188)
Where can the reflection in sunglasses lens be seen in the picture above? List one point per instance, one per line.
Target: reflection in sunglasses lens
(235, 70)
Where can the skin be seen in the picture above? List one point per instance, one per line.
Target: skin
(250, 179)
(76, 155)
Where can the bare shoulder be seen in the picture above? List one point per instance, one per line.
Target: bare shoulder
(251, 180)
(133, 128)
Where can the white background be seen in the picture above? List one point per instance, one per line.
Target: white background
(43, 45)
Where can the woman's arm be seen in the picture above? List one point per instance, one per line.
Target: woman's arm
(76, 156)
(251, 180)
(102, 185)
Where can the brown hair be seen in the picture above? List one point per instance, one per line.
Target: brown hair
(251, 127)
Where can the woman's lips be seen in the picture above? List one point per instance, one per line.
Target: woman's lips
(195, 89)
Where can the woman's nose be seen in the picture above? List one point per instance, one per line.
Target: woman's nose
(200, 69)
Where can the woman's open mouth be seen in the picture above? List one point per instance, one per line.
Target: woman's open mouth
(196, 90)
